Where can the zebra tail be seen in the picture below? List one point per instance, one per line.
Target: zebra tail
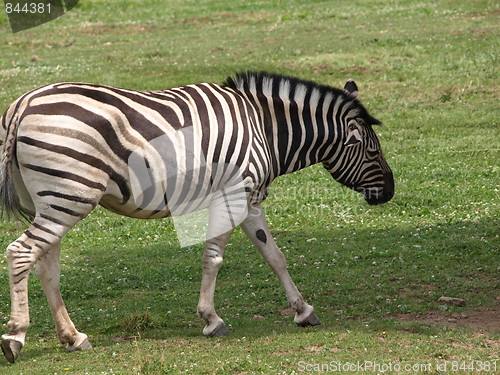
(10, 204)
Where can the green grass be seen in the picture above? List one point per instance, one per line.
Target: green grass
(428, 69)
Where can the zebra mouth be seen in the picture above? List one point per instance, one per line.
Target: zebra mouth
(371, 196)
(374, 199)
(379, 195)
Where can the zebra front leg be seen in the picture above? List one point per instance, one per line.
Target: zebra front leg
(49, 272)
(257, 229)
(212, 261)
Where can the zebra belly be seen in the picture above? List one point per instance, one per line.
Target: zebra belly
(181, 194)
(136, 209)
(213, 213)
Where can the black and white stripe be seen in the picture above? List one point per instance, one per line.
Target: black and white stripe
(306, 123)
(81, 136)
(151, 154)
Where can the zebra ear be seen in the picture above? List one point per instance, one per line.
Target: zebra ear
(373, 121)
(353, 136)
(351, 88)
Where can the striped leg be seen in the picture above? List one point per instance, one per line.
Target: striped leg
(22, 254)
(212, 261)
(257, 229)
(49, 271)
(227, 209)
(40, 245)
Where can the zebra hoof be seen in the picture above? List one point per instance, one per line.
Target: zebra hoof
(311, 320)
(84, 345)
(307, 317)
(219, 330)
(11, 349)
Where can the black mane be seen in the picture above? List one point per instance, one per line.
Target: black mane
(242, 80)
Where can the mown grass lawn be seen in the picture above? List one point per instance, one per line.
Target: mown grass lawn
(427, 69)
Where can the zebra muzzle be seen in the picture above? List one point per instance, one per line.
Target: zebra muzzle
(379, 196)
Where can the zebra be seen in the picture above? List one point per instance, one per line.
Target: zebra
(68, 147)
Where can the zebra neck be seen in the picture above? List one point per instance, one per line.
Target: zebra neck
(300, 132)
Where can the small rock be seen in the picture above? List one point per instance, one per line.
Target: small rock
(442, 308)
(287, 313)
(452, 301)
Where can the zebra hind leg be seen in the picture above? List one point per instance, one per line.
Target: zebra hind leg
(34, 245)
(48, 271)
(22, 254)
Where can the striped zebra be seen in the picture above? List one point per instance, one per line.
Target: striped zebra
(152, 154)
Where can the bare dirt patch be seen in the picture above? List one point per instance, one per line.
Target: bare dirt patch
(486, 320)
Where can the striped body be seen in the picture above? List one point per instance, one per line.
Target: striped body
(84, 135)
(267, 127)
(152, 154)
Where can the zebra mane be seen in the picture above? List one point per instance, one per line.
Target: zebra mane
(272, 84)
(269, 83)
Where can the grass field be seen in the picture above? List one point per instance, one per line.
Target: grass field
(427, 69)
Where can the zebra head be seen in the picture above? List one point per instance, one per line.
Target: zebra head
(358, 162)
